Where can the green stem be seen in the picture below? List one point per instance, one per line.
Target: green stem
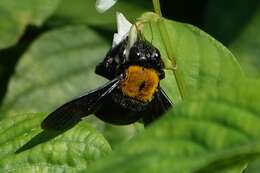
(157, 7)
(169, 50)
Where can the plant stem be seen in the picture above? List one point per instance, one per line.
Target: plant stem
(167, 44)
(157, 7)
(169, 50)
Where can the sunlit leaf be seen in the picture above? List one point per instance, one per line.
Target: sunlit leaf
(194, 59)
(58, 67)
(72, 151)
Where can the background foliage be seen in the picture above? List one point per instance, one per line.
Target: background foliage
(48, 52)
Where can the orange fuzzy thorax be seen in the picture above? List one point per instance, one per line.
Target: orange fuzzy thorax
(140, 83)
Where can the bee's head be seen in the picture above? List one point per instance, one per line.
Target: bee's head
(146, 55)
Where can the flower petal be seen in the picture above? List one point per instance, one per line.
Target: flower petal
(103, 5)
(123, 28)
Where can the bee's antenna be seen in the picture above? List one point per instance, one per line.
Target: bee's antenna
(132, 38)
(151, 28)
(139, 34)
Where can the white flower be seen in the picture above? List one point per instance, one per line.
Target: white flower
(104, 5)
(123, 28)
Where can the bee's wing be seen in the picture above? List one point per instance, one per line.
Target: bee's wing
(159, 105)
(71, 113)
(165, 100)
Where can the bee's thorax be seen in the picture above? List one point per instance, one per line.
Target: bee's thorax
(140, 83)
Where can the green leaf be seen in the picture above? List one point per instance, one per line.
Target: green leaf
(194, 58)
(82, 11)
(117, 135)
(16, 15)
(253, 167)
(58, 67)
(214, 131)
(241, 34)
(72, 151)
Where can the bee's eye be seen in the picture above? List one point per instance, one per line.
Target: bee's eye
(135, 54)
(155, 55)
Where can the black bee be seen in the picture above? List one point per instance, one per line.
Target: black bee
(133, 92)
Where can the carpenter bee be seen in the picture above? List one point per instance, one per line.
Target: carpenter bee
(132, 93)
